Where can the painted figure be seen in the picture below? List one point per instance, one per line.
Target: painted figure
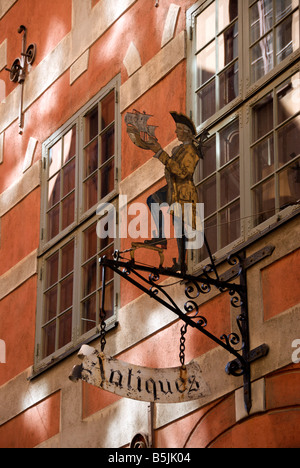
(180, 189)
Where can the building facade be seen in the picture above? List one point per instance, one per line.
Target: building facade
(69, 73)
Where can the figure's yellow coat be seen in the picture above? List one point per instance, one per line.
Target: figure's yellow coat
(180, 168)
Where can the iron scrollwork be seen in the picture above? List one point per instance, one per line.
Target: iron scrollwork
(147, 279)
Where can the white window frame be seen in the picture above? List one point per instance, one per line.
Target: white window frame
(246, 88)
(251, 88)
(250, 229)
(83, 219)
(250, 94)
(78, 119)
(192, 13)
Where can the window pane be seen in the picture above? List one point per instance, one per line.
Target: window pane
(66, 293)
(284, 7)
(49, 333)
(230, 183)
(207, 195)
(289, 185)
(209, 161)
(227, 12)
(210, 230)
(52, 270)
(263, 160)
(53, 222)
(263, 117)
(287, 37)
(107, 110)
(91, 125)
(229, 142)
(50, 304)
(207, 165)
(207, 101)
(264, 201)
(91, 158)
(261, 19)
(54, 190)
(206, 64)
(288, 98)
(70, 145)
(91, 191)
(68, 210)
(228, 49)
(88, 314)
(108, 145)
(230, 224)
(69, 177)
(65, 329)
(55, 158)
(261, 58)
(89, 277)
(289, 141)
(90, 242)
(109, 299)
(206, 26)
(67, 259)
(107, 178)
(229, 85)
(109, 274)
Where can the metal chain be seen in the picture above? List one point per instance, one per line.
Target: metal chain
(183, 331)
(102, 329)
(102, 312)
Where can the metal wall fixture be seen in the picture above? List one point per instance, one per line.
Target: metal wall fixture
(17, 72)
(140, 441)
(237, 343)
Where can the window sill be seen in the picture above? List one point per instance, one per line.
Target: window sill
(39, 369)
(255, 235)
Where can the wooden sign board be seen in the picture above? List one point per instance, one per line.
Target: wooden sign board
(170, 385)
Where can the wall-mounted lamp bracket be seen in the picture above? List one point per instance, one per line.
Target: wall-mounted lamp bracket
(236, 343)
(17, 72)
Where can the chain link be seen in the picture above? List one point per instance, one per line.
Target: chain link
(102, 329)
(183, 331)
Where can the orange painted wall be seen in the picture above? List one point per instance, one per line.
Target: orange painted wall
(215, 425)
(280, 285)
(33, 426)
(48, 21)
(17, 315)
(18, 239)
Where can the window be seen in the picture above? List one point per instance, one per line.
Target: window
(216, 57)
(61, 184)
(274, 34)
(80, 170)
(275, 148)
(236, 45)
(99, 151)
(243, 86)
(217, 179)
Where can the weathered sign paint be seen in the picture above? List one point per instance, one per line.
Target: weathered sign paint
(169, 385)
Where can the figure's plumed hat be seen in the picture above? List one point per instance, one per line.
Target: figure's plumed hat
(183, 119)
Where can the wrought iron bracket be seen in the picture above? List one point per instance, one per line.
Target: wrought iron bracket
(17, 72)
(237, 343)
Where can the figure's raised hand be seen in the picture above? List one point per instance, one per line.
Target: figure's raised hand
(153, 144)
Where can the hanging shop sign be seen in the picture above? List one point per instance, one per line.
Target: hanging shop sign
(169, 385)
